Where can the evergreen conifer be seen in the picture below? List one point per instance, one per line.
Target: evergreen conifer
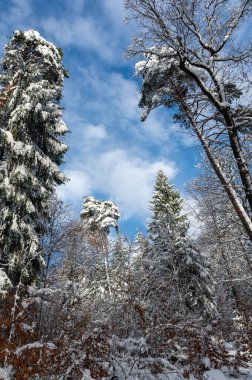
(31, 149)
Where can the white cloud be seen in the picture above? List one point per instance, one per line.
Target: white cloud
(124, 178)
(129, 180)
(78, 186)
(94, 133)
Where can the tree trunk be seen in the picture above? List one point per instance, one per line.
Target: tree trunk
(241, 212)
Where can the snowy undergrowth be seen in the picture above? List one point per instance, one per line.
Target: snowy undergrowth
(6, 373)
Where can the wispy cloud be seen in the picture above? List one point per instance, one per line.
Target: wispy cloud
(81, 28)
(15, 16)
(82, 32)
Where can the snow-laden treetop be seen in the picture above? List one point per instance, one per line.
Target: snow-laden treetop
(160, 65)
(29, 44)
(100, 215)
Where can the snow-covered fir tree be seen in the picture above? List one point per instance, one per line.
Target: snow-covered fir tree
(31, 148)
(166, 206)
(176, 274)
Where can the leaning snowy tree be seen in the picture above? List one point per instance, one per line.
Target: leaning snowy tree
(31, 149)
(197, 64)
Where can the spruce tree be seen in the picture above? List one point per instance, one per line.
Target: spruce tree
(176, 273)
(31, 149)
(166, 207)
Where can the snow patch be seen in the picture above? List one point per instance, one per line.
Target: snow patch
(6, 373)
(5, 282)
(214, 374)
(34, 345)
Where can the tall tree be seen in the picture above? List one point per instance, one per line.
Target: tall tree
(98, 217)
(176, 273)
(166, 206)
(30, 149)
(193, 64)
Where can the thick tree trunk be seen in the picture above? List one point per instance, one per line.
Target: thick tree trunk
(241, 163)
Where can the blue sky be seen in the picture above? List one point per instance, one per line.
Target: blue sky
(112, 154)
